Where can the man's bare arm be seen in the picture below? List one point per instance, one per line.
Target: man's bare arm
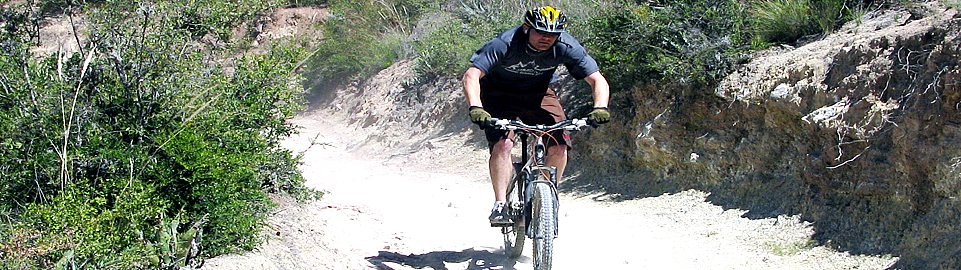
(471, 82)
(602, 90)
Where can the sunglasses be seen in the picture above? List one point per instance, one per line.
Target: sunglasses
(545, 33)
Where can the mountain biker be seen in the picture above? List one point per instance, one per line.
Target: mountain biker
(509, 79)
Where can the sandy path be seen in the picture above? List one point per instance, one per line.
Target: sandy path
(414, 215)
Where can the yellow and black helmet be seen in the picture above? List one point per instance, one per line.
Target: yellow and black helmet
(546, 19)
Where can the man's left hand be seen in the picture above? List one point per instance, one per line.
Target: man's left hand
(600, 115)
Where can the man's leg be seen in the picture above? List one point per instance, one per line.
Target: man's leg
(557, 149)
(557, 157)
(501, 168)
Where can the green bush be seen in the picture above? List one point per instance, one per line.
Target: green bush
(787, 20)
(681, 41)
(361, 38)
(123, 155)
(463, 26)
(684, 41)
(466, 25)
(955, 4)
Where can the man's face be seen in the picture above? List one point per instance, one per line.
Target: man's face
(541, 40)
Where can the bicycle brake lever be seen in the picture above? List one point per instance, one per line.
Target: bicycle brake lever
(500, 123)
(592, 123)
(577, 124)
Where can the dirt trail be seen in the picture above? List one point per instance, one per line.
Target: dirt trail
(383, 214)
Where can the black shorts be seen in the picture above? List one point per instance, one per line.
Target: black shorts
(532, 109)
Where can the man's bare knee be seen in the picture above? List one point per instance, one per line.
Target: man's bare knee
(557, 150)
(502, 147)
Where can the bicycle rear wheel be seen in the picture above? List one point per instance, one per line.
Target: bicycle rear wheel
(544, 218)
(515, 235)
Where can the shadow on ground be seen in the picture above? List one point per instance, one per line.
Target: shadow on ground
(437, 260)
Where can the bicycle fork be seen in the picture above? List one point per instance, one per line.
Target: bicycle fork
(529, 173)
(529, 195)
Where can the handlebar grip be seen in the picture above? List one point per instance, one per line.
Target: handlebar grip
(494, 123)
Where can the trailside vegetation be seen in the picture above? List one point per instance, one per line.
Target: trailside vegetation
(637, 42)
(152, 147)
(363, 37)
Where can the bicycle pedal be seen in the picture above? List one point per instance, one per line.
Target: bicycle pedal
(502, 224)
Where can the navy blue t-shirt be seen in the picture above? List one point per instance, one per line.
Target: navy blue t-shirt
(511, 67)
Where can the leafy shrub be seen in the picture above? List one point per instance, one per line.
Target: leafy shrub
(955, 4)
(788, 20)
(783, 20)
(19, 27)
(24, 247)
(144, 124)
(683, 41)
(463, 27)
(363, 37)
(467, 24)
(59, 7)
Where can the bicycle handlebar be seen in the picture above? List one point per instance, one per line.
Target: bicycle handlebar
(570, 124)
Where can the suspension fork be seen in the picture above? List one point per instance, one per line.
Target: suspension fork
(538, 166)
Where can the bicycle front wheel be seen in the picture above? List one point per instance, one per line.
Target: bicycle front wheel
(544, 218)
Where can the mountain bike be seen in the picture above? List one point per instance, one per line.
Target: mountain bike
(532, 194)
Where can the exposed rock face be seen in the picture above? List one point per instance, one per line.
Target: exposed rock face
(857, 131)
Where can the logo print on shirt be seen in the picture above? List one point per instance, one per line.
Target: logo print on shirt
(530, 68)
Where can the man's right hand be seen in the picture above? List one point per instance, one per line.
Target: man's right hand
(480, 116)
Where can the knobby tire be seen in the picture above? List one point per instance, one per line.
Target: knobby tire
(515, 234)
(544, 218)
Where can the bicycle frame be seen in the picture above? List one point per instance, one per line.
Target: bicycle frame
(532, 161)
(532, 193)
(533, 165)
